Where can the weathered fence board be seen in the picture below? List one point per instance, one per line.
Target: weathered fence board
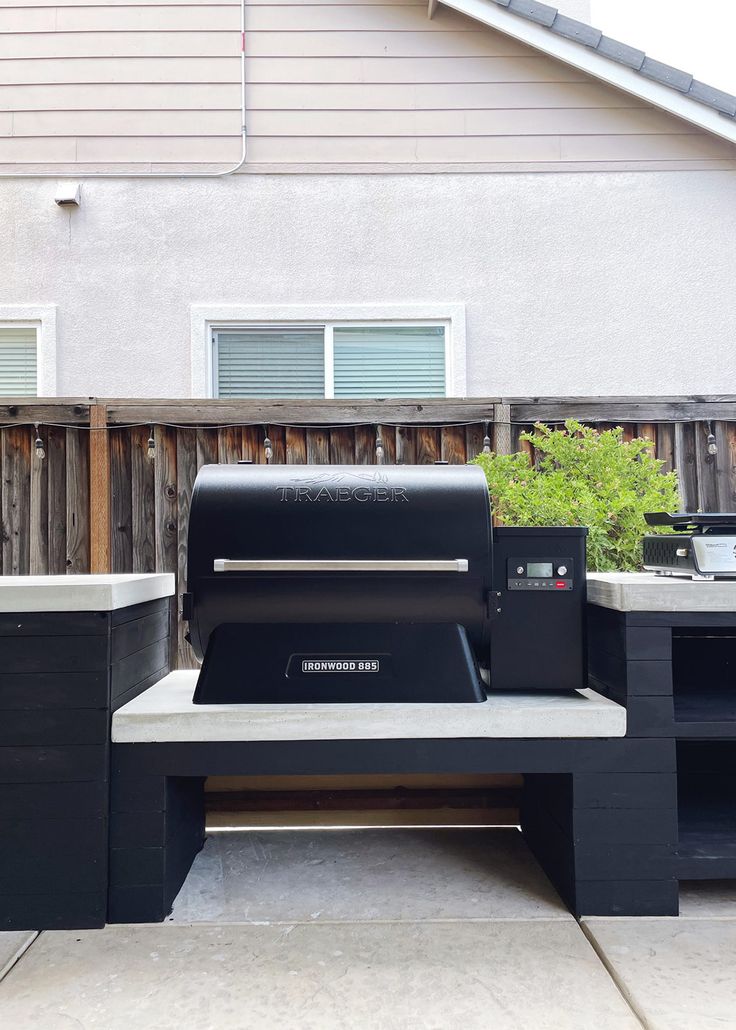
(142, 502)
(77, 501)
(16, 459)
(39, 516)
(45, 503)
(55, 444)
(121, 528)
(186, 471)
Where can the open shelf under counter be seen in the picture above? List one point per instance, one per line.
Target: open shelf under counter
(706, 810)
(704, 681)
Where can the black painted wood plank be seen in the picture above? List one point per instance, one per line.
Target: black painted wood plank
(79, 911)
(157, 828)
(126, 673)
(57, 764)
(138, 611)
(678, 620)
(61, 834)
(54, 690)
(137, 829)
(605, 825)
(650, 717)
(181, 852)
(138, 793)
(602, 861)
(54, 726)
(53, 855)
(55, 654)
(53, 624)
(626, 898)
(626, 825)
(138, 688)
(648, 643)
(640, 678)
(625, 790)
(53, 800)
(138, 633)
(139, 904)
(131, 867)
(324, 757)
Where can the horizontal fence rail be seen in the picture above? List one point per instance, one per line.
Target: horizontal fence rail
(104, 498)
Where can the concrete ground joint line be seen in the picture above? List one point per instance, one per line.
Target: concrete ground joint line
(412, 920)
(617, 981)
(18, 955)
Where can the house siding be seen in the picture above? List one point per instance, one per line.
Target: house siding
(349, 86)
(615, 284)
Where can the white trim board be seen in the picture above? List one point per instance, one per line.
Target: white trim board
(43, 318)
(204, 316)
(577, 55)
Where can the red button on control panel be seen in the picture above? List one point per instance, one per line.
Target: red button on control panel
(560, 584)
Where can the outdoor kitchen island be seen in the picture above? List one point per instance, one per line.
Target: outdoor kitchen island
(580, 812)
(73, 648)
(665, 647)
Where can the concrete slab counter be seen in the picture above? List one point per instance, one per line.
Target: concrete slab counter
(665, 647)
(74, 648)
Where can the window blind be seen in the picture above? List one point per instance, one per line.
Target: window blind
(270, 362)
(389, 361)
(18, 360)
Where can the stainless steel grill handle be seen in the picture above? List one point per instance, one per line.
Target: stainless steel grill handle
(340, 565)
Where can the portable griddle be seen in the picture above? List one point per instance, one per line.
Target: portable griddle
(702, 544)
(360, 583)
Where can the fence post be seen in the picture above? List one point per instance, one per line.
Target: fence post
(99, 490)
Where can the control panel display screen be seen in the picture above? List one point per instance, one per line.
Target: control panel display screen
(539, 569)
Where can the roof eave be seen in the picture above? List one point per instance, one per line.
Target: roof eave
(577, 55)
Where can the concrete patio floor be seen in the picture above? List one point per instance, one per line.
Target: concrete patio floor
(395, 930)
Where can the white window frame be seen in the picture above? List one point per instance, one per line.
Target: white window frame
(206, 319)
(42, 318)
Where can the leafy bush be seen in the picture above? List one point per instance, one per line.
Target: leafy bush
(583, 478)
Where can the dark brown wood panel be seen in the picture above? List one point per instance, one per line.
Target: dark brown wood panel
(318, 446)
(55, 441)
(186, 472)
(16, 496)
(77, 500)
(39, 511)
(142, 501)
(121, 501)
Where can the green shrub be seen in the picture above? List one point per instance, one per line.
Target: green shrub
(583, 478)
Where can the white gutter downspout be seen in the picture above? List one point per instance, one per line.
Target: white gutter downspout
(163, 175)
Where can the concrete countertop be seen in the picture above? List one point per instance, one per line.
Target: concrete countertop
(165, 712)
(82, 593)
(645, 592)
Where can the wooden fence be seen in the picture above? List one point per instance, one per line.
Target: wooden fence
(98, 502)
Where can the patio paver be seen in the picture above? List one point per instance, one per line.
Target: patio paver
(520, 974)
(350, 875)
(677, 972)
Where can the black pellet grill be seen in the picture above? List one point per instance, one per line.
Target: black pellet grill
(388, 583)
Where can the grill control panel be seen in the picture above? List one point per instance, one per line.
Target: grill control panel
(554, 574)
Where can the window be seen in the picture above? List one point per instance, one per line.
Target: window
(18, 360)
(330, 360)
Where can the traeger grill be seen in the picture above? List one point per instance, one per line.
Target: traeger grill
(702, 546)
(360, 583)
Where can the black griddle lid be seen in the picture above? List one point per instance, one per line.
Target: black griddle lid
(689, 521)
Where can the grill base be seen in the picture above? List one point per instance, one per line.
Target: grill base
(338, 663)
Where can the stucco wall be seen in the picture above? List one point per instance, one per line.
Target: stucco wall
(573, 283)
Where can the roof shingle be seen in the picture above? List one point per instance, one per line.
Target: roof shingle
(580, 32)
